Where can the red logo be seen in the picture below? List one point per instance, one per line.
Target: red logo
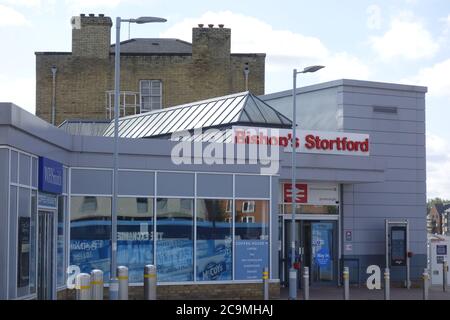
(301, 196)
(345, 144)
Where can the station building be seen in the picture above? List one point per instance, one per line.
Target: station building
(211, 227)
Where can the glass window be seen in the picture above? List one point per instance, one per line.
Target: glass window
(34, 173)
(14, 166)
(135, 235)
(24, 170)
(90, 233)
(174, 247)
(214, 240)
(151, 95)
(60, 270)
(251, 238)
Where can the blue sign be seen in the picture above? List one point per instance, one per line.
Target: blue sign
(47, 200)
(50, 176)
(252, 256)
(214, 260)
(323, 257)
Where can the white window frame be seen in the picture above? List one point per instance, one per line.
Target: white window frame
(150, 95)
(248, 219)
(250, 206)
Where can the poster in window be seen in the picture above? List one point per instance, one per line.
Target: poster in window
(23, 263)
(398, 246)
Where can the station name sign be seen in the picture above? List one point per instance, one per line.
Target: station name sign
(50, 176)
(307, 141)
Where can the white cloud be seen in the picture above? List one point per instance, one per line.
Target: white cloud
(24, 3)
(438, 167)
(436, 78)
(11, 17)
(407, 39)
(285, 49)
(20, 91)
(374, 17)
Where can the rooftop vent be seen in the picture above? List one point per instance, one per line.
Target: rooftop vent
(91, 15)
(101, 15)
(211, 25)
(200, 25)
(221, 26)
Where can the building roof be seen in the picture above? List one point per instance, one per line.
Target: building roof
(154, 45)
(83, 127)
(441, 207)
(223, 112)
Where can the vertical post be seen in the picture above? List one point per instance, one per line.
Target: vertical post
(122, 276)
(150, 282)
(408, 263)
(305, 283)
(444, 275)
(425, 278)
(292, 270)
(54, 69)
(115, 159)
(387, 284)
(266, 283)
(83, 281)
(346, 277)
(97, 284)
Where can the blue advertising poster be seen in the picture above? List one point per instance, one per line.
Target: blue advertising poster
(252, 256)
(50, 176)
(135, 255)
(321, 245)
(91, 254)
(175, 260)
(214, 260)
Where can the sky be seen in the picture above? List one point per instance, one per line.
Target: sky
(400, 41)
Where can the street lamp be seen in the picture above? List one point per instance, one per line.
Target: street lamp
(113, 288)
(292, 271)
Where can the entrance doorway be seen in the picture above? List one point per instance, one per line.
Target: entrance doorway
(45, 255)
(316, 246)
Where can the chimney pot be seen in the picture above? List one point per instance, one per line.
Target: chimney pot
(101, 15)
(82, 15)
(221, 26)
(211, 25)
(91, 15)
(200, 25)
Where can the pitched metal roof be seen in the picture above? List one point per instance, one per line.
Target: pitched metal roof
(154, 45)
(237, 109)
(84, 127)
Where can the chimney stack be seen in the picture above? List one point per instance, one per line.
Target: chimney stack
(91, 38)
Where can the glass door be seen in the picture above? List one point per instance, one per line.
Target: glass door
(322, 251)
(45, 255)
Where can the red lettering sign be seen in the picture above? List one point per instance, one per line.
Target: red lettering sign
(301, 196)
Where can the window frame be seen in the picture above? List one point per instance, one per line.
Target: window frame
(150, 95)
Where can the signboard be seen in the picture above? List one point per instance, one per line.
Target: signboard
(308, 141)
(314, 193)
(348, 235)
(47, 200)
(398, 246)
(252, 256)
(50, 176)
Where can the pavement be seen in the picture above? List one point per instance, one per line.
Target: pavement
(362, 293)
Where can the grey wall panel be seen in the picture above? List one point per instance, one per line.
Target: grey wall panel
(136, 183)
(390, 150)
(252, 186)
(404, 114)
(12, 254)
(175, 184)
(392, 186)
(379, 100)
(367, 125)
(214, 185)
(14, 167)
(394, 211)
(4, 198)
(86, 181)
(396, 199)
(274, 235)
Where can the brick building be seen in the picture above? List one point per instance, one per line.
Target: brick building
(155, 73)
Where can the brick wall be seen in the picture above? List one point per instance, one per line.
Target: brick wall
(234, 291)
(84, 75)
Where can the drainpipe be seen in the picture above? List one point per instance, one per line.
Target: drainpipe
(54, 69)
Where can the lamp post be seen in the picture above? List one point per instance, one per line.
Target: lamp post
(292, 271)
(113, 289)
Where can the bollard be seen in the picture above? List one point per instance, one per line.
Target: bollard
(292, 284)
(387, 284)
(444, 275)
(305, 283)
(150, 282)
(425, 278)
(266, 283)
(113, 289)
(122, 276)
(97, 284)
(83, 286)
(346, 277)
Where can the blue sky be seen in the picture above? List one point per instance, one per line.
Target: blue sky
(402, 41)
